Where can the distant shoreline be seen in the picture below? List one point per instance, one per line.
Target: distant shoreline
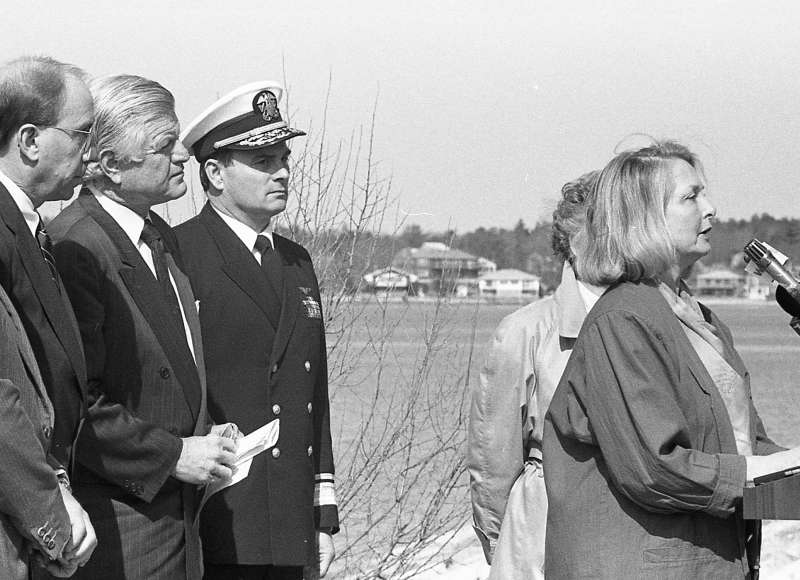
(398, 298)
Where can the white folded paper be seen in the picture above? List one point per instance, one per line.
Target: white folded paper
(249, 446)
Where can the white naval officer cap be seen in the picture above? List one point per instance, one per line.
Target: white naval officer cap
(246, 118)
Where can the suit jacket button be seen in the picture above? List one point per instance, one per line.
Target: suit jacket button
(310, 408)
(276, 452)
(275, 368)
(173, 431)
(310, 450)
(51, 544)
(307, 365)
(164, 372)
(276, 409)
(47, 431)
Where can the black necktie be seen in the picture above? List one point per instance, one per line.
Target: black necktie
(271, 263)
(152, 237)
(273, 270)
(46, 248)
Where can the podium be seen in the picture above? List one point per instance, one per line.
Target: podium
(775, 500)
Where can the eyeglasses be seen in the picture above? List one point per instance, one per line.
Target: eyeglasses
(70, 133)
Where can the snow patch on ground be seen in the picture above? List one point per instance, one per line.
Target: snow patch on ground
(780, 555)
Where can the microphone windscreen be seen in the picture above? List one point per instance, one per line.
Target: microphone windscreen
(786, 301)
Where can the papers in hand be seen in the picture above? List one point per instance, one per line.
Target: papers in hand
(249, 446)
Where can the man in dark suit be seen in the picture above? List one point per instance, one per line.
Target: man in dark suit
(264, 342)
(41, 159)
(144, 446)
(45, 114)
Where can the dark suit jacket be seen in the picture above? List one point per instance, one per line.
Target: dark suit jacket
(32, 514)
(49, 321)
(145, 394)
(641, 468)
(258, 372)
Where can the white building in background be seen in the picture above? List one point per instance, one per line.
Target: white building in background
(720, 282)
(509, 283)
(486, 266)
(442, 269)
(757, 288)
(393, 280)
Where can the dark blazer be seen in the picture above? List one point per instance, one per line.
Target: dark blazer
(258, 372)
(145, 393)
(32, 514)
(642, 472)
(49, 321)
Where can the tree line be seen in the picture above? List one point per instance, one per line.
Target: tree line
(528, 248)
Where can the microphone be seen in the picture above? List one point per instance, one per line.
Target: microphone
(787, 294)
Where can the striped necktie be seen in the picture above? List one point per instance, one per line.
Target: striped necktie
(46, 248)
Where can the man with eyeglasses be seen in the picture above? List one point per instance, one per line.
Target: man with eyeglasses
(41, 359)
(45, 113)
(146, 444)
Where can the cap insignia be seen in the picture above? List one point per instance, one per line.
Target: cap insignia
(265, 103)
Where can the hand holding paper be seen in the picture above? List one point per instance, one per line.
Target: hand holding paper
(248, 446)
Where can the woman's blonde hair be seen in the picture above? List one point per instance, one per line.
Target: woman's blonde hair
(626, 231)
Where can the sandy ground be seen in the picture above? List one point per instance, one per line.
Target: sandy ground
(780, 555)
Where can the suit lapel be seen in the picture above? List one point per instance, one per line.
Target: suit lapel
(722, 422)
(186, 297)
(731, 356)
(55, 304)
(291, 302)
(146, 292)
(239, 264)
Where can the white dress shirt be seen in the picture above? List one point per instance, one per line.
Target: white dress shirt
(247, 234)
(133, 224)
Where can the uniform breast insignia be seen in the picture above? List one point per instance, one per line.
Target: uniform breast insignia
(313, 309)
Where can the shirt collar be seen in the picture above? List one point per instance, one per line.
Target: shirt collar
(589, 298)
(244, 232)
(571, 308)
(23, 202)
(574, 301)
(130, 221)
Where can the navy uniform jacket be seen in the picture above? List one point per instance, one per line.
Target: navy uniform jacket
(146, 392)
(258, 372)
(49, 321)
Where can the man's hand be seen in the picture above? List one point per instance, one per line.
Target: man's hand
(58, 568)
(229, 430)
(204, 459)
(327, 552)
(83, 540)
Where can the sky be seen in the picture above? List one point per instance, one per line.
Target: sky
(482, 109)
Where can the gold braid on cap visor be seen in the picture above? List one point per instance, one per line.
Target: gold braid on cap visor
(254, 137)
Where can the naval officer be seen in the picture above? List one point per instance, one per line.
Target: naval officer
(264, 343)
